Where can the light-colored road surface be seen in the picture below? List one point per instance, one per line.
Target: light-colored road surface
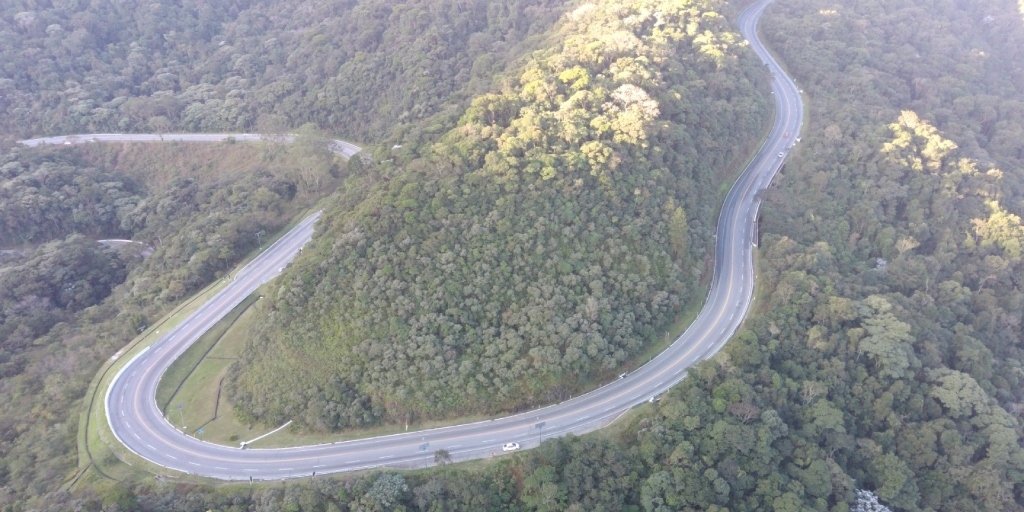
(137, 422)
(340, 147)
(145, 250)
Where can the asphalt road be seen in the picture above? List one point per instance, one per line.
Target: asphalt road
(137, 422)
(345, 149)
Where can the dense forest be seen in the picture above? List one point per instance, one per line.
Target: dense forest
(550, 236)
(361, 69)
(67, 302)
(883, 353)
(894, 261)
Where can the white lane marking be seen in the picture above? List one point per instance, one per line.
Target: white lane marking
(455, 445)
(172, 456)
(133, 373)
(286, 469)
(488, 441)
(193, 463)
(218, 467)
(388, 457)
(249, 470)
(150, 446)
(136, 436)
(354, 461)
(323, 465)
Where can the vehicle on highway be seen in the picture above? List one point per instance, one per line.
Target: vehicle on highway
(781, 154)
(509, 447)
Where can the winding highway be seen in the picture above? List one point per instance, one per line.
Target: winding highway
(137, 422)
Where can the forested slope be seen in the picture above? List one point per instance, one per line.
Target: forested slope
(543, 241)
(895, 260)
(885, 353)
(68, 303)
(356, 68)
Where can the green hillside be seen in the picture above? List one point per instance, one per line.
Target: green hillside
(548, 237)
(67, 303)
(358, 68)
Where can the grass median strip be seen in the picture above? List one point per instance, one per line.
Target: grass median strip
(205, 410)
(191, 364)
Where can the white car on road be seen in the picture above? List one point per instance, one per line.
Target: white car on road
(509, 447)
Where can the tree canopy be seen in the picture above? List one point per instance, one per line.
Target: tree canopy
(539, 244)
